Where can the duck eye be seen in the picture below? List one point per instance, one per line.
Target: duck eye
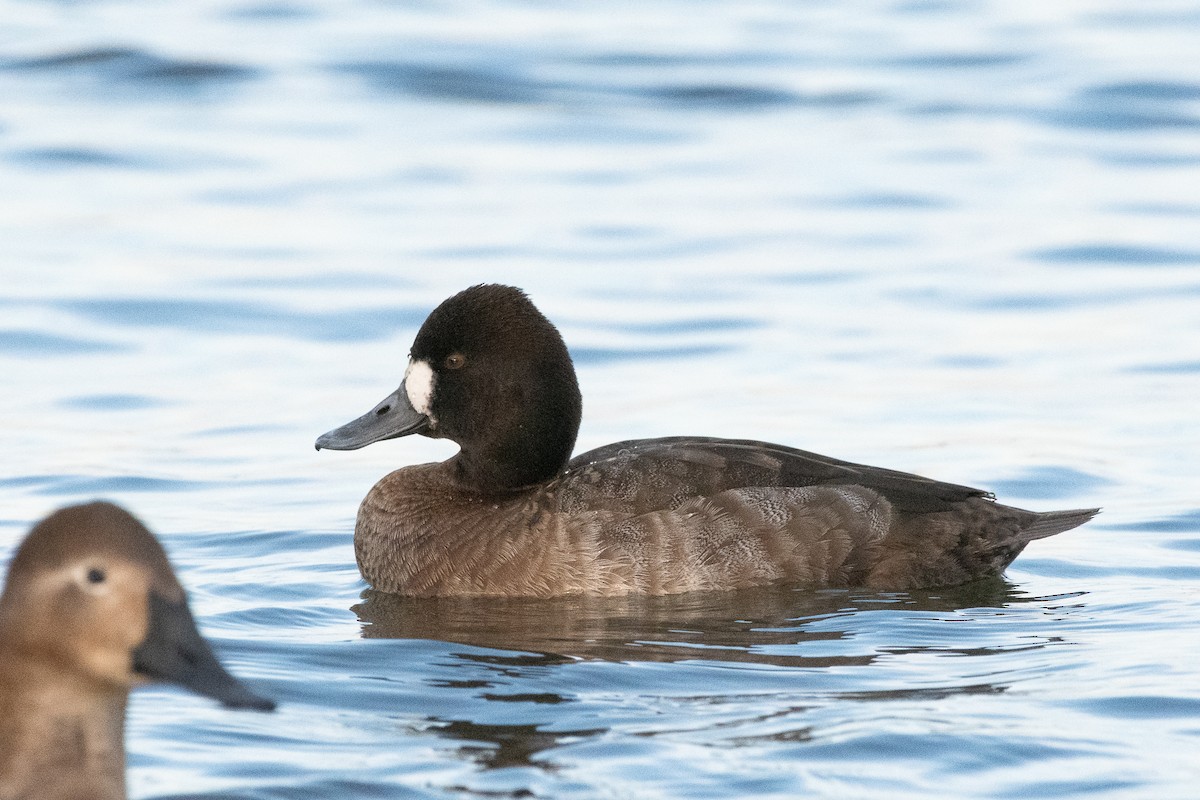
(455, 361)
(96, 575)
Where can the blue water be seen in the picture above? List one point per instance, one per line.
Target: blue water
(961, 239)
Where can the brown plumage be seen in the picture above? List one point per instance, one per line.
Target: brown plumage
(91, 608)
(510, 515)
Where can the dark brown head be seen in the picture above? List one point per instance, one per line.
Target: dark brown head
(487, 370)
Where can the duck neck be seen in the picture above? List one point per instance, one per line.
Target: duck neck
(58, 728)
(526, 453)
(510, 467)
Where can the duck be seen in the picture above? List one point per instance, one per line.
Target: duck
(513, 514)
(91, 608)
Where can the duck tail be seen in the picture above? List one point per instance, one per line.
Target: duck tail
(1048, 523)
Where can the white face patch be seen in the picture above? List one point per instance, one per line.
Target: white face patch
(418, 383)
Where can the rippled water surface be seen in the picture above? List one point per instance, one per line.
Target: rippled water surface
(961, 239)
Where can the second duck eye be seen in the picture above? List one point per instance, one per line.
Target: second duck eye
(455, 361)
(96, 575)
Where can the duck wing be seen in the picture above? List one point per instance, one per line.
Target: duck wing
(640, 474)
(698, 513)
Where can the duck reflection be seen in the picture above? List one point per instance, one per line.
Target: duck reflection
(499, 746)
(522, 638)
(766, 625)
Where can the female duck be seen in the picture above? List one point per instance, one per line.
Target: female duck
(513, 514)
(91, 608)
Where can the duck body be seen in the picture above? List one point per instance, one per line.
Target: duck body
(510, 515)
(723, 514)
(91, 609)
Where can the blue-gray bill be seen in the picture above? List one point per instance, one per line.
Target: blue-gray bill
(392, 417)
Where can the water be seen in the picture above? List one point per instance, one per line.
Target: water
(958, 239)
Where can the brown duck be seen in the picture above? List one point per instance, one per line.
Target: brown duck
(91, 608)
(513, 514)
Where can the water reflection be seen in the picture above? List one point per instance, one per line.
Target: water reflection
(499, 746)
(770, 667)
(766, 625)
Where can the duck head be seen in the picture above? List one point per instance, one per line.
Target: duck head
(90, 592)
(489, 372)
